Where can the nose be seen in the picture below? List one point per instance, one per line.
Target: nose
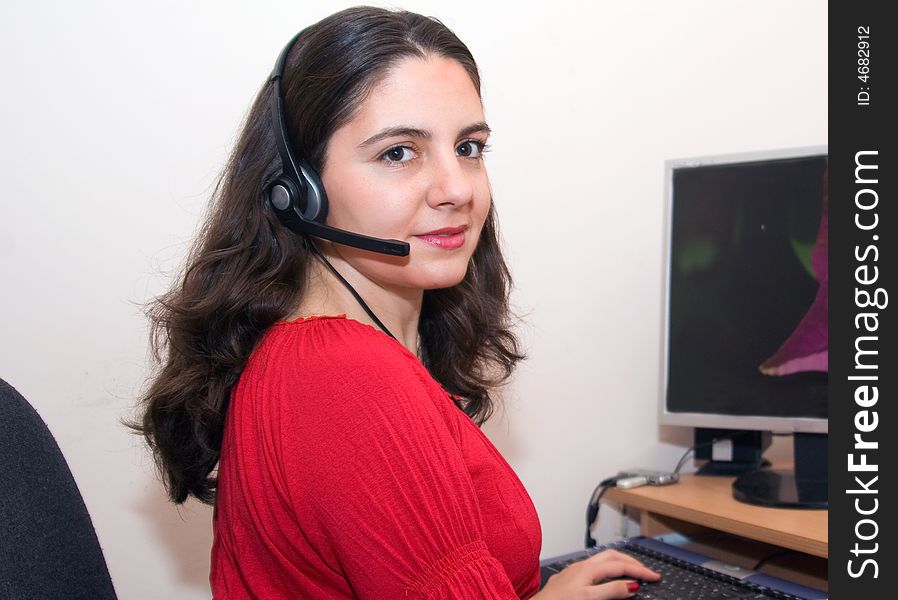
(452, 182)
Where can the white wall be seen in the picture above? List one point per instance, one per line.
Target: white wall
(116, 117)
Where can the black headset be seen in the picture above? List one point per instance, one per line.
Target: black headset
(297, 195)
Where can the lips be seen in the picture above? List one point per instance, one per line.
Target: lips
(447, 238)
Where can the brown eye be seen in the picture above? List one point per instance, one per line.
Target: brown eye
(469, 149)
(398, 154)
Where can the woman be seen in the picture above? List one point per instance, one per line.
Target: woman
(336, 380)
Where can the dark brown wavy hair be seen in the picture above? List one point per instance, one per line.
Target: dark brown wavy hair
(246, 271)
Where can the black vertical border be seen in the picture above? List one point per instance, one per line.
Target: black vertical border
(853, 128)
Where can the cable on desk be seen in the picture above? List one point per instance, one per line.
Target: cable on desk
(592, 508)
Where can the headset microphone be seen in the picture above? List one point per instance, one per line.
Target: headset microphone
(297, 194)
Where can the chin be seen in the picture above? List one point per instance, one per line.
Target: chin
(438, 279)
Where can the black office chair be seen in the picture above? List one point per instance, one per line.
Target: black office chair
(48, 546)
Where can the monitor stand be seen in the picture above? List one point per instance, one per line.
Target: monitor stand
(803, 487)
(730, 452)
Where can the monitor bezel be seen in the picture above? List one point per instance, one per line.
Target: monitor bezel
(721, 420)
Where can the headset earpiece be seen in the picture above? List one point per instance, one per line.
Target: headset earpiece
(305, 196)
(314, 199)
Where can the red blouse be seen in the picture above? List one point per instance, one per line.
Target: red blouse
(347, 472)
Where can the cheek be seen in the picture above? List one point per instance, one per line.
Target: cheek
(360, 202)
(482, 209)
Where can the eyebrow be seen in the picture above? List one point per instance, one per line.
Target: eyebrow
(415, 132)
(479, 127)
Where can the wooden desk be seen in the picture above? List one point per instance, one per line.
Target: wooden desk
(697, 504)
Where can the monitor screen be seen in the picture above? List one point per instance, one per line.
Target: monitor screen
(746, 336)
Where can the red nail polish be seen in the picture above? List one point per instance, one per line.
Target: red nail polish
(632, 586)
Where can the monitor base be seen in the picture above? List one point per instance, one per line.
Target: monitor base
(780, 489)
(717, 468)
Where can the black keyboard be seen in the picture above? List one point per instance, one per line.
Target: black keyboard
(687, 575)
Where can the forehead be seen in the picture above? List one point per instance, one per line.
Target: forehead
(431, 93)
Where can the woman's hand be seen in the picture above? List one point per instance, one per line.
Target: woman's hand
(578, 581)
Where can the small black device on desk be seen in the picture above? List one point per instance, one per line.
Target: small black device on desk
(687, 575)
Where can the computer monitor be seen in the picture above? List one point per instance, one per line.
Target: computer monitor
(746, 310)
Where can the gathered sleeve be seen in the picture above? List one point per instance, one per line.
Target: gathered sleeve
(375, 475)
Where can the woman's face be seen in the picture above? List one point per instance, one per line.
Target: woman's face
(408, 166)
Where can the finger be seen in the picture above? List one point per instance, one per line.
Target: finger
(614, 556)
(614, 569)
(607, 555)
(615, 589)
